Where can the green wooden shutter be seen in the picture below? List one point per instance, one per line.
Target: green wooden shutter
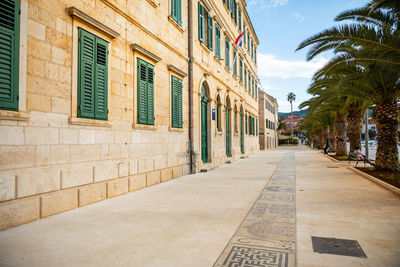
(231, 7)
(234, 63)
(227, 63)
(86, 68)
(241, 70)
(179, 11)
(142, 91)
(150, 94)
(9, 54)
(201, 22)
(240, 19)
(210, 32)
(176, 102)
(235, 11)
(101, 81)
(180, 103)
(217, 42)
(174, 9)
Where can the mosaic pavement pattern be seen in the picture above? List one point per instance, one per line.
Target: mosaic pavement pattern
(267, 235)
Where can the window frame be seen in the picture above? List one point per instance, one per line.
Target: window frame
(176, 119)
(95, 91)
(148, 120)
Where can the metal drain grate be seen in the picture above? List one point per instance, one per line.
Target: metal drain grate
(332, 166)
(336, 246)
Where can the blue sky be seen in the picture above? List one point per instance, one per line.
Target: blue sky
(280, 26)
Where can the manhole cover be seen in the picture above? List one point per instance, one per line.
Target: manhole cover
(336, 246)
(333, 167)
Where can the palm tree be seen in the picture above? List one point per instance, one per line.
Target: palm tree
(291, 97)
(368, 56)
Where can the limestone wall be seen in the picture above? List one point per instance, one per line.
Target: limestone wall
(51, 160)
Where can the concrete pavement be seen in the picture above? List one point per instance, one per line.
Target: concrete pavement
(238, 213)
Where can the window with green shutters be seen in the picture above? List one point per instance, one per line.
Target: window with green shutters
(248, 42)
(245, 79)
(227, 52)
(176, 102)
(92, 76)
(201, 22)
(231, 7)
(205, 26)
(234, 64)
(145, 92)
(249, 83)
(241, 70)
(176, 11)
(235, 11)
(217, 42)
(252, 87)
(9, 53)
(240, 19)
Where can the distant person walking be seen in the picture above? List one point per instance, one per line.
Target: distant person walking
(326, 146)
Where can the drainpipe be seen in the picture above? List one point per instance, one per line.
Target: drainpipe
(190, 85)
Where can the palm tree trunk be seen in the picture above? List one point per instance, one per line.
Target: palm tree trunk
(332, 140)
(340, 128)
(354, 122)
(387, 155)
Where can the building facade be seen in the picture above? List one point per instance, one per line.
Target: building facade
(292, 123)
(268, 113)
(94, 98)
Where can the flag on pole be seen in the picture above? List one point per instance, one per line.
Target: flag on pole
(239, 39)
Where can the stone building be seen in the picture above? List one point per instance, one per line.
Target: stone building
(268, 113)
(94, 97)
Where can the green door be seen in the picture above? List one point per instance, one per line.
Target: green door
(228, 132)
(241, 134)
(204, 130)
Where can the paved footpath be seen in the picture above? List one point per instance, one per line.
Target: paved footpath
(261, 211)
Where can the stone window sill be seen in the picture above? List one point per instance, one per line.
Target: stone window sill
(205, 47)
(89, 122)
(218, 59)
(153, 3)
(177, 130)
(218, 132)
(14, 115)
(144, 127)
(176, 24)
(227, 69)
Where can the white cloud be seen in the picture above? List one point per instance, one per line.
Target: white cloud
(271, 67)
(284, 106)
(299, 17)
(276, 3)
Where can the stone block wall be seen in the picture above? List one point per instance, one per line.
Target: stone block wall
(52, 161)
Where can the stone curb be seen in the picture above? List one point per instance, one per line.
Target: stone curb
(385, 185)
(334, 160)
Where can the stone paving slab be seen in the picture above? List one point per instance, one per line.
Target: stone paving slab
(260, 211)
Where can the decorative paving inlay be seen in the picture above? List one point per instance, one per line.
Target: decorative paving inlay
(267, 236)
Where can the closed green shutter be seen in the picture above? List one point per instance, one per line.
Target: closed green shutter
(210, 32)
(86, 92)
(145, 92)
(201, 22)
(179, 11)
(176, 102)
(101, 81)
(231, 8)
(227, 63)
(150, 94)
(241, 70)
(234, 64)
(235, 11)
(93, 76)
(245, 79)
(9, 54)
(217, 42)
(142, 92)
(240, 19)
